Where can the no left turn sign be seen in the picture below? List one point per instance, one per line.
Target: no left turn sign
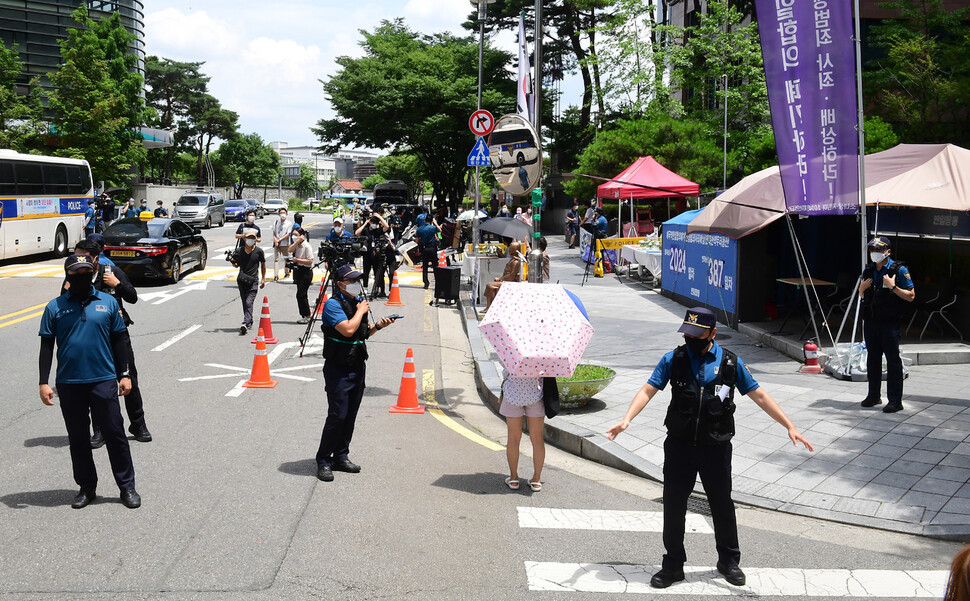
(481, 122)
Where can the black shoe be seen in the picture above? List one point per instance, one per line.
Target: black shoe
(97, 439)
(131, 498)
(871, 402)
(345, 466)
(426, 286)
(666, 576)
(892, 407)
(243, 329)
(140, 432)
(732, 574)
(572, 246)
(84, 497)
(325, 473)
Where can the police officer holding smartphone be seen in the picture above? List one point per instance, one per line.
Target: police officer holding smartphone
(345, 332)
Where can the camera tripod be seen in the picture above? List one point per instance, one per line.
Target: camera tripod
(317, 306)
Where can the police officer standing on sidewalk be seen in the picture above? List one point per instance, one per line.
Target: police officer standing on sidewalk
(345, 331)
(700, 424)
(885, 289)
(116, 283)
(92, 369)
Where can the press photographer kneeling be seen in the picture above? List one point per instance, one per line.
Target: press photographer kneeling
(302, 267)
(345, 330)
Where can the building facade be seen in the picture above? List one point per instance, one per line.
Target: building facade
(36, 27)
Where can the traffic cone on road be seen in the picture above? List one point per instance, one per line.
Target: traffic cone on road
(259, 378)
(266, 324)
(442, 261)
(394, 300)
(323, 300)
(407, 398)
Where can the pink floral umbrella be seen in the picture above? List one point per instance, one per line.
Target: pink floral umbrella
(536, 329)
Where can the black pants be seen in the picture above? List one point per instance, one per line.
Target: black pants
(100, 400)
(345, 389)
(247, 294)
(682, 462)
(134, 406)
(883, 339)
(303, 277)
(429, 259)
(370, 263)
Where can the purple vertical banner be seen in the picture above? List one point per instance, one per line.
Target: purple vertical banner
(810, 73)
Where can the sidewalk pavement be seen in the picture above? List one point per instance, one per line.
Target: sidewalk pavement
(906, 472)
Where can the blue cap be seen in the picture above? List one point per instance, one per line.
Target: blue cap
(698, 322)
(75, 262)
(347, 272)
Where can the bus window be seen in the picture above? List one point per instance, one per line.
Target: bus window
(8, 186)
(30, 181)
(74, 177)
(55, 180)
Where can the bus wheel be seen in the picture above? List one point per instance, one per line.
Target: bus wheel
(60, 241)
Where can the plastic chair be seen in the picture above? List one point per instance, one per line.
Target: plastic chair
(843, 282)
(929, 305)
(946, 298)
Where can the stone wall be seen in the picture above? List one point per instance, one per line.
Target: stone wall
(169, 194)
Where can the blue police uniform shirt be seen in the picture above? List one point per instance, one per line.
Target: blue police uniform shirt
(83, 336)
(426, 233)
(711, 363)
(602, 225)
(89, 218)
(333, 313)
(333, 236)
(903, 279)
(103, 260)
(420, 219)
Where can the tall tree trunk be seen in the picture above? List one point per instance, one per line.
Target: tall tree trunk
(574, 40)
(597, 87)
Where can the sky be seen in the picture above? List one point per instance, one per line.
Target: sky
(265, 58)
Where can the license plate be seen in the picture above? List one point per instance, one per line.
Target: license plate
(122, 253)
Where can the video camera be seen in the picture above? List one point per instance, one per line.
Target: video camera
(232, 257)
(342, 250)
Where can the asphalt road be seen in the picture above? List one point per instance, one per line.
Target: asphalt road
(231, 505)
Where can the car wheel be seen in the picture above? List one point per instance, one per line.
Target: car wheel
(208, 222)
(60, 242)
(176, 269)
(222, 221)
(203, 255)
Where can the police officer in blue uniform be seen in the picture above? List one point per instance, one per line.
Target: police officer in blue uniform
(427, 237)
(92, 369)
(345, 331)
(886, 289)
(700, 424)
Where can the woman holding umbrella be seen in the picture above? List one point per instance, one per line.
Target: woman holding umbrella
(522, 397)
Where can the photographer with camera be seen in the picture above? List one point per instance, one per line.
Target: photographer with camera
(345, 329)
(302, 267)
(373, 228)
(252, 276)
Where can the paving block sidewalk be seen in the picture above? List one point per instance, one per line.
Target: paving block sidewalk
(906, 472)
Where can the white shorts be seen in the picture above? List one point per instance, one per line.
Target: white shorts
(536, 409)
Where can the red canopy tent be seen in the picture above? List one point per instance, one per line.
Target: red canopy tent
(646, 178)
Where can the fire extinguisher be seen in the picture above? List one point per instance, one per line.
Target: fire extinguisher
(810, 351)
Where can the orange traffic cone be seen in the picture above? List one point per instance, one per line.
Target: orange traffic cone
(266, 324)
(323, 300)
(394, 299)
(442, 262)
(259, 378)
(407, 398)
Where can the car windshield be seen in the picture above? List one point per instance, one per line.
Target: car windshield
(236, 204)
(192, 201)
(130, 230)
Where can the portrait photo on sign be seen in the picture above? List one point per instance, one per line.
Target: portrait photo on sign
(515, 155)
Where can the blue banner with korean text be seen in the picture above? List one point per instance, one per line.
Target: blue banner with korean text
(701, 267)
(810, 73)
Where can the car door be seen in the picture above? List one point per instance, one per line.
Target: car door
(188, 249)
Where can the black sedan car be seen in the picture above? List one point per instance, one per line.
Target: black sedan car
(155, 248)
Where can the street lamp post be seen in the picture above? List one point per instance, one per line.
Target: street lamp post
(482, 7)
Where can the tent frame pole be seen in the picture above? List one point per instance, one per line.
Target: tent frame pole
(860, 126)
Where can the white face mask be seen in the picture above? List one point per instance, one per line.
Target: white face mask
(354, 289)
(338, 228)
(877, 257)
(251, 218)
(250, 241)
(282, 216)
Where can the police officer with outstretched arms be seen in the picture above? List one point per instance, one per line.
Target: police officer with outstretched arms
(700, 424)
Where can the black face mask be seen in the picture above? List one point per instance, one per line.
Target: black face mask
(80, 284)
(696, 345)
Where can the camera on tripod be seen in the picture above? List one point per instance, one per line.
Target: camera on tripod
(342, 250)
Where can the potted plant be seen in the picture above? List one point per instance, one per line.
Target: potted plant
(586, 381)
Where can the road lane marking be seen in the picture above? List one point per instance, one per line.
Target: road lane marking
(10, 322)
(176, 338)
(234, 371)
(705, 581)
(22, 311)
(427, 392)
(27, 271)
(601, 519)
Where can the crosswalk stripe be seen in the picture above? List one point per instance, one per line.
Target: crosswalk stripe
(704, 581)
(601, 519)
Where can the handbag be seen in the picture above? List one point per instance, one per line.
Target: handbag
(550, 396)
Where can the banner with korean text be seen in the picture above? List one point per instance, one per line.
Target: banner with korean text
(810, 73)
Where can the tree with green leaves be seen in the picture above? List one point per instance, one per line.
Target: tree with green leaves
(401, 165)
(245, 160)
(21, 125)
(415, 91)
(95, 104)
(207, 121)
(172, 88)
(371, 181)
(306, 185)
(919, 80)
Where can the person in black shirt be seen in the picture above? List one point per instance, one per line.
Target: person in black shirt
(252, 276)
(373, 227)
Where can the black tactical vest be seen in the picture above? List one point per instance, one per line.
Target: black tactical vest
(880, 303)
(696, 415)
(346, 351)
